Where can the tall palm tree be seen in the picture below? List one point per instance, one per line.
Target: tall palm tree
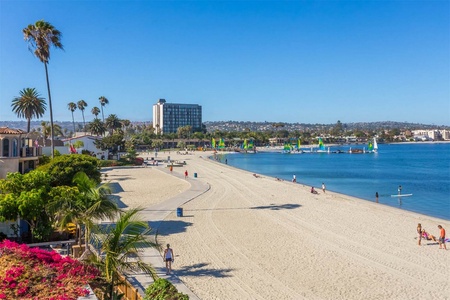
(40, 37)
(103, 102)
(72, 107)
(81, 106)
(97, 127)
(95, 111)
(28, 105)
(120, 245)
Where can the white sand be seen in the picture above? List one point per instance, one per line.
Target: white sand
(258, 238)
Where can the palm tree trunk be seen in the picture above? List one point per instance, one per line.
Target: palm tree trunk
(103, 116)
(84, 122)
(28, 124)
(73, 122)
(52, 137)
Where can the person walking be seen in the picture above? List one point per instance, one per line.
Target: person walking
(323, 187)
(168, 258)
(186, 174)
(442, 237)
(294, 178)
(171, 168)
(376, 197)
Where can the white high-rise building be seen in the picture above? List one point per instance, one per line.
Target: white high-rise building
(168, 117)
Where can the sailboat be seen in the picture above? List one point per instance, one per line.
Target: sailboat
(373, 146)
(322, 147)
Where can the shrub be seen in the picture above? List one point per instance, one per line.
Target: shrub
(162, 289)
(63, 168)
(32, 273)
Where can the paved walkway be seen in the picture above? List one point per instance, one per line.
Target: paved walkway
(156, 214)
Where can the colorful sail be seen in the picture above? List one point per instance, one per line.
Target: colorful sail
(245, 145)
(370, 146)
(250, 145)
(287, 146)
(321, 145)
(221, 144)
(213, 143)
(298, 144)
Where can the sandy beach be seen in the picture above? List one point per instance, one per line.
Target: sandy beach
(259, 238)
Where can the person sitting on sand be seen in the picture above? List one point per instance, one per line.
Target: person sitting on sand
(313, 191)
(256, 176)
(419, 232)
(427, 236)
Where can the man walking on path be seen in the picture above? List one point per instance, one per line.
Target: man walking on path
(442, 237)
(168, 258)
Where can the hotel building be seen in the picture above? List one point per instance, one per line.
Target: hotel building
(168, 117)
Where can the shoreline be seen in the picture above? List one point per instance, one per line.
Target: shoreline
(258, 238)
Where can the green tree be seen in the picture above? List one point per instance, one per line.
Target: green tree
(103, 102)
(62, 169)
(97, 127)
(28, 105)
(72, 107)
(120, 246)
(40, 37)
(111, 143)
(27, 196)
(82, 106)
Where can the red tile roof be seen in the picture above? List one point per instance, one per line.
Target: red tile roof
(6, 130)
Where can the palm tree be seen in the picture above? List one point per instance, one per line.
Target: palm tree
(81, 106)
(95, 111)
(40, 37)
(28, 105)
(113, 122)
(97, 127)
(103, 102)
(72, 107)
(46, 130)
(82, 206)
(120, 245)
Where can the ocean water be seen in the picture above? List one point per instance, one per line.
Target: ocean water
(421, 169)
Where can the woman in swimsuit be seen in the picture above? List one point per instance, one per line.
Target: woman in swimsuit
(419, 232)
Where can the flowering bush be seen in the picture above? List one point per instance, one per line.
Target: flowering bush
(32, 273)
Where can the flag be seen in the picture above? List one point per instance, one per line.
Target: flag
(72, 149)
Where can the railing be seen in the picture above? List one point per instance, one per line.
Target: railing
(127, 289)
(30, 151)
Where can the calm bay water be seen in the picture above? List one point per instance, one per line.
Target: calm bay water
(421, 169)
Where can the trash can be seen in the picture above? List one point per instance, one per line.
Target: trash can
(179, 212)
(195, 175)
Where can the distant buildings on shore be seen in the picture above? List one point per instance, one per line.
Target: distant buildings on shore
(168, 117)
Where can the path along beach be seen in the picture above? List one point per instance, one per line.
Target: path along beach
(259, 238)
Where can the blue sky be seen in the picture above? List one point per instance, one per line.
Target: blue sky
(283, 61)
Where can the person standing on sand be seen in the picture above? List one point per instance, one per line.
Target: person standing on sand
(186, 174)
(168, 259)
(442, 237)
(376, 197)
(323, 187)
(171, 168)
(419, 232)
(294, 179)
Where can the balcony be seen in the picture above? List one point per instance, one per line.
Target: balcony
(30, 151)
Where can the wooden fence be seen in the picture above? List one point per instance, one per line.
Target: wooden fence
(126, 288)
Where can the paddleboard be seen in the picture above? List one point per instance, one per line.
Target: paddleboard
(403, 195)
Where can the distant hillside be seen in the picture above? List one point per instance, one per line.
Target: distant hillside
(259, 126)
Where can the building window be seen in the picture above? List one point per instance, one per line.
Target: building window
(15, 148)
(5, 147)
